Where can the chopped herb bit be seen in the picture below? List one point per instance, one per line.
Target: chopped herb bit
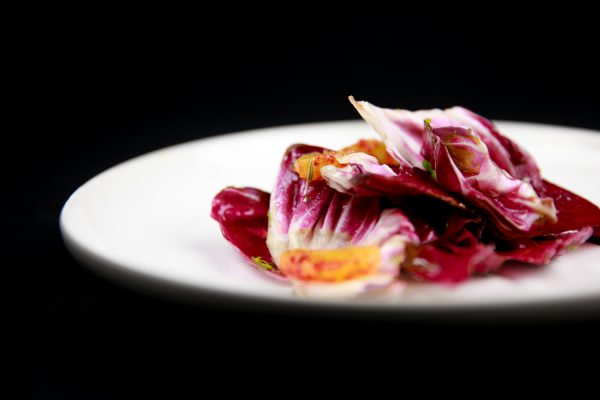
(427, 165)
(262, 264)
(311, 169)
(309, 178)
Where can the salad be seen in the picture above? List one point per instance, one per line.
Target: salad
(440, 197)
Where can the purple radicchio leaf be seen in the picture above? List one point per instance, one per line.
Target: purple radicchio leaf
(451, 261)
(573, 212)
(392, 232)
(362, 175)
(403, 133)
(541, 250)
(454, 257)
(399, 126)
(507, 154)
(289, 191)
(400, 130)
(463, 165)
(242, 216)
(312, 216)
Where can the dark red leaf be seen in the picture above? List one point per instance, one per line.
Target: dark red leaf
(242, 215)
(408, 182)
(573, 211)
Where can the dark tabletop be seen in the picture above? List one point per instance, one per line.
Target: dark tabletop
(105, 92)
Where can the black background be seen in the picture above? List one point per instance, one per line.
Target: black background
(94, 90)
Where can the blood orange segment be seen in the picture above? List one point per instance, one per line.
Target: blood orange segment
(373, 147)
(333, 265)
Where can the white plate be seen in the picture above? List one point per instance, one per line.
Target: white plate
(146, 222)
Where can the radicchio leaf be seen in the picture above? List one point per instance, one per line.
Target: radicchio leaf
(465, 255)
(400, 130)
(403, 133)
(451, 261)
(289, 191)
(573, 211)
(310, 218)
(242, 215)
(507, 154)
(363, 176)
(541, 250)
(463, 165)
(384, 243)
